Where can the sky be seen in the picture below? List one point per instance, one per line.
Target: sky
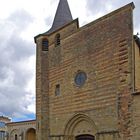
(20, 21)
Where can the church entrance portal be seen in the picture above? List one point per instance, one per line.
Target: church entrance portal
(85, 137)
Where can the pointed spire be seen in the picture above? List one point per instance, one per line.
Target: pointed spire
(62, 16)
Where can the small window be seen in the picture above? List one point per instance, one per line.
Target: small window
(45, 45)
(57, 90)
(57, 40)
(2, 135)
(16, 137)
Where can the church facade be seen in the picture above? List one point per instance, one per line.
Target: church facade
(88, 78)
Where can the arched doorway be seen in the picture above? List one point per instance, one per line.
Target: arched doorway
(31, 134)
(85, 137)
(80, 127)
(14, 134)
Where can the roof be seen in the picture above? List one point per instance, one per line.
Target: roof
(27, 121)
(57, 25)
(62, 17)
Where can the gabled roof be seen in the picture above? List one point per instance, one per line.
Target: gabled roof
(62, 16)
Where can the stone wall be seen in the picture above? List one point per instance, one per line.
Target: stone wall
(101, 49)
(42, 81)
(136, 116)
(137, 67)
(20, 129)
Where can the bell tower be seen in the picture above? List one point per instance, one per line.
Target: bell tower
(62, 17)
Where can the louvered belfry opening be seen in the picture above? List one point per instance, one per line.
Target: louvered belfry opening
(57, 40)
(45, 45)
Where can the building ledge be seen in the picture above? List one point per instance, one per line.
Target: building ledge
(136, 93)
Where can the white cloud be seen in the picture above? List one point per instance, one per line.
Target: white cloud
(95, 7)
(20, 21)
(15, 72)
(30, 87)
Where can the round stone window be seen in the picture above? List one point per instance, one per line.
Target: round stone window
(80, 78)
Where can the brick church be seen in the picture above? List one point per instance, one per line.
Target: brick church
(88, 78)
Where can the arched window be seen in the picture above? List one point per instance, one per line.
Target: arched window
(2, 135)
(57, 40)
(15, 136)
(45, 45)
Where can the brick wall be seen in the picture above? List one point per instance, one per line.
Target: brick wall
(102, 49)
(42, 81)
(137, 67)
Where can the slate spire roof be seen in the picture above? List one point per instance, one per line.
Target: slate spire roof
(62, 16)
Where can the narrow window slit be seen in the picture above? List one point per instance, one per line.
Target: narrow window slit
(57, 90)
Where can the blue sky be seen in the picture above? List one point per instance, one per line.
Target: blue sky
(20, 21)
(30, 116)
